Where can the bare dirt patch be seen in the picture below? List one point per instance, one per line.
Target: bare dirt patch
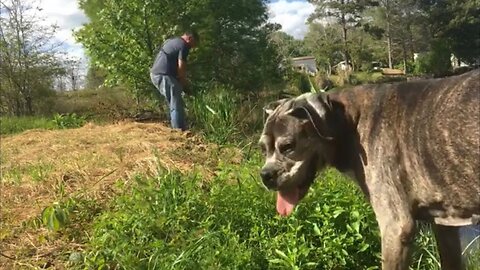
(40, 167)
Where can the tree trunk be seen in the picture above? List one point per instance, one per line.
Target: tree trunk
(404, 49)
(410, 42)
(345, 41)
(29, 105)
(18, 107)
(389, 43)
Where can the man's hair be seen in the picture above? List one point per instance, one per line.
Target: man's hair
(193, 34)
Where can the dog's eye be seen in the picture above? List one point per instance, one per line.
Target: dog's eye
(286, 148)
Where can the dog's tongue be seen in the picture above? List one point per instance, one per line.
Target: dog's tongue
(286, 201)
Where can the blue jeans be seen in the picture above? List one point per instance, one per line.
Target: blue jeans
(171, 89)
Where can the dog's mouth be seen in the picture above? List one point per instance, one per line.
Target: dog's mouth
(289, 197)
(287, 200)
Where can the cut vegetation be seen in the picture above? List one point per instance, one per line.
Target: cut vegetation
(43, 167)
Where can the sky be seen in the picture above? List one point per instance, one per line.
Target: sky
(68, 17)
(291, 14)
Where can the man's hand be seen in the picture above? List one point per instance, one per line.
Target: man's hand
(182, 73)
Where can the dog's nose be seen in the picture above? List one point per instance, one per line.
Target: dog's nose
(268, 177)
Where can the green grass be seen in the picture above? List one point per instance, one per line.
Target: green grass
(176, 221)
(13, 125)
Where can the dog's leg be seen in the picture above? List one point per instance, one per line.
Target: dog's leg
(448, 242)
(397, 230)
(397, 237)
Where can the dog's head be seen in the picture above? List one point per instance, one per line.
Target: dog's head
(296, 141)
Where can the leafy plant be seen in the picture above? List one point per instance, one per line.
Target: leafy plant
(71, 120)
(214, 112)
(55, 216)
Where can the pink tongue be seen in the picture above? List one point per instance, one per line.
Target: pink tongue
(286, 201)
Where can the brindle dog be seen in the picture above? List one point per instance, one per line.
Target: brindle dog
(413, 148)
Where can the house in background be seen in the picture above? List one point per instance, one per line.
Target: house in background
(456, 63)
(305, 64)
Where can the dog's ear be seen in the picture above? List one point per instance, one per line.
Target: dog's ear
(313, 109)
(272, 106)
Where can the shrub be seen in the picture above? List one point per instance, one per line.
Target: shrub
(300, 82)
(436, 62)
(323, 82)
(223, 114)
(69, 120)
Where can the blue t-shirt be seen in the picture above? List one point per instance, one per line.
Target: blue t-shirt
(166, 62)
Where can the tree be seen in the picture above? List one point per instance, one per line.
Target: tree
(288, 46)
(28, 57)
(346, 13)
(234, 48)
(325, 43)
(455, 22)
(394, 21)
(388, 10)
(92, 8)
(96, 75)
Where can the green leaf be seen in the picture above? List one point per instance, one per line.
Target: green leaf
(282, 255)
(363, 247)
(316, 230)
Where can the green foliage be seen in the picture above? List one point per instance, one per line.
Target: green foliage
(436, 62)
(287, 46)
(125, 36)
(425, 254)
(177, 222)
(473, 258)
(301, 82)
(71, 120)
(91, 8)
(393, 30)
(95, 77)
(14, 124)
(222, 114)
(55, 217)
(326, 45)
(236, 47)
(29, 64)
(456, 22)
(346, 14)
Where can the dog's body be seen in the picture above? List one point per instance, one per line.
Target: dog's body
(413, 148)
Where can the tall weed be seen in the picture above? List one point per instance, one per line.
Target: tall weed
(215, 113)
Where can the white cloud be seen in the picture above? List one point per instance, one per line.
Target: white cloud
(291, 15)
(67, 15)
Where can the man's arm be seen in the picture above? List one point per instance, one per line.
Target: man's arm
(182, 72)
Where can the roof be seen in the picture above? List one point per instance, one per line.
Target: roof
(303, 58)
